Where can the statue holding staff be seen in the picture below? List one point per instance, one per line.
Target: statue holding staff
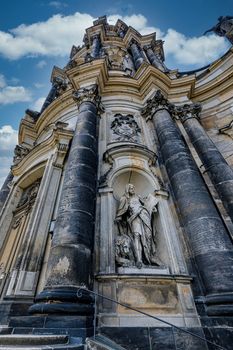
(135, 216)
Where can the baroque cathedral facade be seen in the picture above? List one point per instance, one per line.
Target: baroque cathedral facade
(116, 219)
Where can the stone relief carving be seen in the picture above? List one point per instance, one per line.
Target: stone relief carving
(19, 153)
(136, 241)
(187, 111)
(26, 203)
(125, 128)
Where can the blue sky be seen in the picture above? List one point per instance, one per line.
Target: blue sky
(36, 35)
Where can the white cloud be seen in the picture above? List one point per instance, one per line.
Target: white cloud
(53, 37)
(8, 138)
(41, 64)
(13, 94)
(56, 36)
(38, 104)
(195, 50)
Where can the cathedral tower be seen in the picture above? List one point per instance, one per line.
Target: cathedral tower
(120, 197)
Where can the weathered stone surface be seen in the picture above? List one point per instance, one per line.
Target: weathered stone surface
(159, 338)
(70, 257)
(207, 235)
(218, 169)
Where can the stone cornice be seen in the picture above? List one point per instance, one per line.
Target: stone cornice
(147, 79)
(208, 85)
(58, 142)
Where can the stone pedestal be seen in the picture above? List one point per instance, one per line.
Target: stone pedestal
(164, 296)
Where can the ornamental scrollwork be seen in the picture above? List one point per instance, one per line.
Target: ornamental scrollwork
(157, 102)
(89, 94)
(19, 153)
(125, 128)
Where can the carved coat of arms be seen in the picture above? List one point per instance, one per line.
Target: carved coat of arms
(125, 128)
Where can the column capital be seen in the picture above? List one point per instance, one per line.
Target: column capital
(147, 47)
(95, 36)
(188, 111)
(157, 102)
(89, 94)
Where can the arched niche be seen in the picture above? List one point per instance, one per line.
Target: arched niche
(143, 183)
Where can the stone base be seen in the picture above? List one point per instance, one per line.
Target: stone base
(157, 338)
(164, 296)
(79, 327)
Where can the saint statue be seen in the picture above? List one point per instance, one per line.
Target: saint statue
(134, 219)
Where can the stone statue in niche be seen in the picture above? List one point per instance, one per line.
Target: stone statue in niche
(136, 242)
(128, 65)
(126, 128)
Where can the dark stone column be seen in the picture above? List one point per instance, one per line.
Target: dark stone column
(220, 173)
(70, 261)
(5, 190)
(96, 44)
(137, 55)
(154, 59)
(210, 244)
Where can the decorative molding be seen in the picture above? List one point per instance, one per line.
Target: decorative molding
(188, 111)
(26, 203)
(103, 180)
(126, 128)
(155, 104)
(89, 94)
(19, 153)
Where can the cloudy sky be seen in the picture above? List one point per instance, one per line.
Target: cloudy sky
(36, 35)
